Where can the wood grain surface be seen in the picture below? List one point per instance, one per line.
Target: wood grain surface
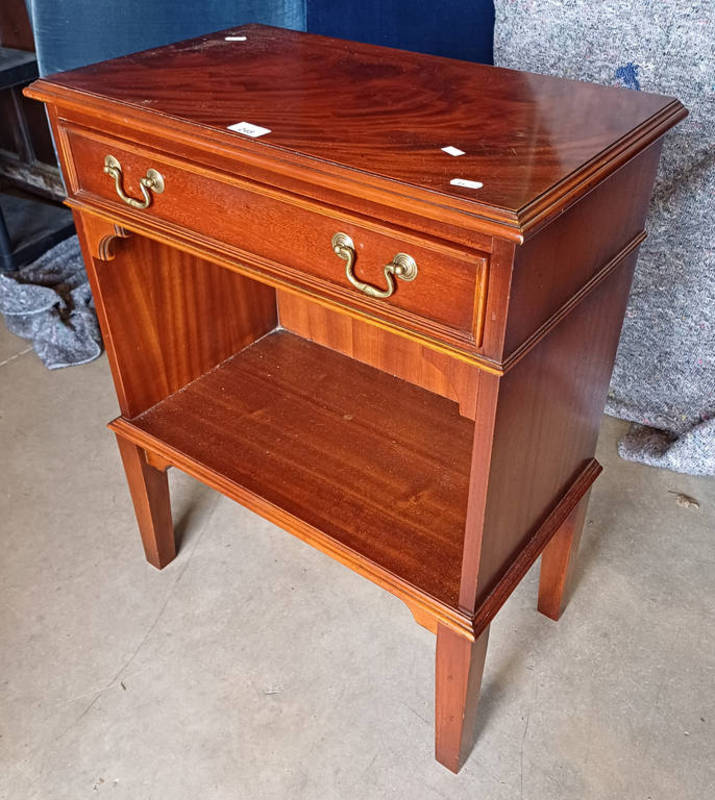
(387, 113)
(395, 355)
(378, 464)
(166, 316)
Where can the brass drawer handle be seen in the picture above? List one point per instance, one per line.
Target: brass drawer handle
(153, 181)
(401, 266)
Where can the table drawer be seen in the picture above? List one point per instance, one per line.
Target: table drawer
(401, 277)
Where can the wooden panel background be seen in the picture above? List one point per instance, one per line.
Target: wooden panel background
(167, 317)
(379, 348)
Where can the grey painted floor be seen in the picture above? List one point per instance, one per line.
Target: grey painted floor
(255, 667)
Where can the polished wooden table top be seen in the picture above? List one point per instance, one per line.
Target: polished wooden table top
(386, 113)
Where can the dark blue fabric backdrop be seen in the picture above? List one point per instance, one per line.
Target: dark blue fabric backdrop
(71, 33)
(454, 28)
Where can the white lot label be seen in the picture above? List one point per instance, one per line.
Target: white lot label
(453, 151)
(466, 184)
(247, 129)
(236, 38)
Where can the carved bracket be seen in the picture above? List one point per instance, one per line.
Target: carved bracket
(101, 236)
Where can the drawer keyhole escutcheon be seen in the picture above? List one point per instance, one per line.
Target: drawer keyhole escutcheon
(153, 181)
(402, 266)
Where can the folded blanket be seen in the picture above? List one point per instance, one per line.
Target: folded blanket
(664, 377)
(50, 303)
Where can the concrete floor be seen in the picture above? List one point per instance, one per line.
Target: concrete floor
(255, 667)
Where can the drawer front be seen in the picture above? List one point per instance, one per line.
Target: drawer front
(291, 239)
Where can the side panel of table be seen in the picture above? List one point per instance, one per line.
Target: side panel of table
(537, 425)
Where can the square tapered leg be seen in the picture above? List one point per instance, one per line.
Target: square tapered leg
(149, 488)
(459, 669)
(558, 563)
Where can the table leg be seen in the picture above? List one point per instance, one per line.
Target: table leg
(558, 562)
(149, 488)
(459, 669)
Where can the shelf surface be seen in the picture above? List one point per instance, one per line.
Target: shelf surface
(378, 465)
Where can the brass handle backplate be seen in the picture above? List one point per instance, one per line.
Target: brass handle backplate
(402, 266)
(153, 181)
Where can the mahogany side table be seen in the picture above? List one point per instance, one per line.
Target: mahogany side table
(373, 296)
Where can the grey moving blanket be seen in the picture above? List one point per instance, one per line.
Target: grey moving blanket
(49, 302)
(664, 378)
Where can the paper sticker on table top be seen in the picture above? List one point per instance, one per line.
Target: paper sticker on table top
(466, 184)
(453, 151)
(249, 129)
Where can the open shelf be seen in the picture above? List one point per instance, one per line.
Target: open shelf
(375, 467)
